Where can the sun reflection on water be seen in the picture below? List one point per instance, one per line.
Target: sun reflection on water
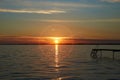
(57, 65)
(56, 41)
(56, 56)
(59, 79)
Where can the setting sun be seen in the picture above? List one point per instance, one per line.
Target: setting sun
(57, 40)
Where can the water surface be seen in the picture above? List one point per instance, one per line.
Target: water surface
(57, 62)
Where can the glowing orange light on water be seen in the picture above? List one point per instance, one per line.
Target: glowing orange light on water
(56, 41)
(56, 56)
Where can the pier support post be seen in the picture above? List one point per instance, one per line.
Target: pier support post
(93, 54)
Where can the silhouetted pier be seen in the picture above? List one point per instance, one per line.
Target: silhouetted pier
(95, 51)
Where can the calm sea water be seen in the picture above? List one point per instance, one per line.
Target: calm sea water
(57, 62)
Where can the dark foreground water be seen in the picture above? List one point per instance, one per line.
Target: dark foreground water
(57, 62)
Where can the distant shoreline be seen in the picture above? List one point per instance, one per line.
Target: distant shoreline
(64, 41)
(68, 44)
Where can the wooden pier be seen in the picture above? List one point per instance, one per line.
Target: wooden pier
(95, 51)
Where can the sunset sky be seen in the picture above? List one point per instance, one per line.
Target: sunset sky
(84, 19)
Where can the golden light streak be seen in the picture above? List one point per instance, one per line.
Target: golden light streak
(56, 41)
(56, 56)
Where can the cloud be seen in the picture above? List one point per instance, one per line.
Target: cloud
(46, 4)
(79, 5)
(111, 1)
(33, 11)
(94, 20)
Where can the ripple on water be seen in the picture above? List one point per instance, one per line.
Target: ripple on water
(113, 79)
(39, 78)
(69, 78)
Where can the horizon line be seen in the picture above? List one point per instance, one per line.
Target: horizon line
(50, 41)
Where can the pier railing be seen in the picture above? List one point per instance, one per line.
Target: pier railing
(95, 51)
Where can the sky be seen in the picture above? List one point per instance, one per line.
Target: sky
(84, 19)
